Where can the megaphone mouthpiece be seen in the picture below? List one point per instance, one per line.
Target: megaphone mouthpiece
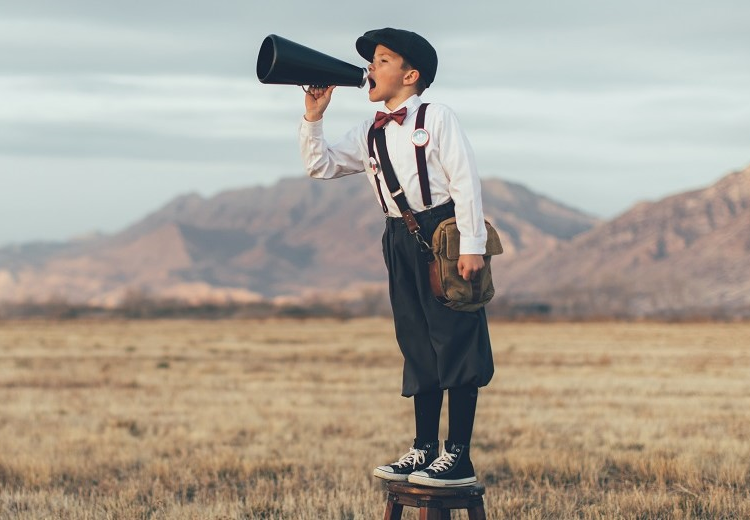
(284, 62)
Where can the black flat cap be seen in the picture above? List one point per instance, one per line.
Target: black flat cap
(415, 49)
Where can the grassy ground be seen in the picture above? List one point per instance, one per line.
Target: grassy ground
(286, 419)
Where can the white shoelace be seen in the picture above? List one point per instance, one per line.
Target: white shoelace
(414, 457)
(443, 462)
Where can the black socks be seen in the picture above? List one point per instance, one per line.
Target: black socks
(427, 414)
(462, 407)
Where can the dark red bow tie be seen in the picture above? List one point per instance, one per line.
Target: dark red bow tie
(381, 118)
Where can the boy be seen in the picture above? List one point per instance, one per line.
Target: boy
(442, 348)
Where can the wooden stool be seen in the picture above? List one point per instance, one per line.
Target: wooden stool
(434, 503)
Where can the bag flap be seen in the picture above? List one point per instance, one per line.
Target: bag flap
(494, 247)
(451, 239)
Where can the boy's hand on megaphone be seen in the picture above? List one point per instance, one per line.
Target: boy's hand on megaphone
(316, 102)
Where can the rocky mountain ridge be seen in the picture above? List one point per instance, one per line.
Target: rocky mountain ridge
(297, 237)
(688, 252)
(305, 239)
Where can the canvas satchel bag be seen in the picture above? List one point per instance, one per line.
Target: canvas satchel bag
(447, 285)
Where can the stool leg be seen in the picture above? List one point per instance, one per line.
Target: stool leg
(430, 513)
(393, 511)
(477, 512)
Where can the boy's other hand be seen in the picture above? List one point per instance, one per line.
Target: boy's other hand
(469, 266)
(316, 102)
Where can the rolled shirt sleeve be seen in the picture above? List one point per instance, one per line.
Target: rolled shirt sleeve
(324, 161)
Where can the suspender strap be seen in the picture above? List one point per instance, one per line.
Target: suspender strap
(371, 149)
(397, 192)
(424, 181)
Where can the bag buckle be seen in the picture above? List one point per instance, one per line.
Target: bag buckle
(423, 245)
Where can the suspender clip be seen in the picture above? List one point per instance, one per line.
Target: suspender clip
(423, 245)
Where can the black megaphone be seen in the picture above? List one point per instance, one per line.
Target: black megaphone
(283, 62)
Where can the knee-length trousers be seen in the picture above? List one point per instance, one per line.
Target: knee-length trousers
(442, 348)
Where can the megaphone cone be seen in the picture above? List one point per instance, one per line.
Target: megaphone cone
(283, 62)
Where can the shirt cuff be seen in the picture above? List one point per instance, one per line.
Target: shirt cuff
(311, 126)
(472, 246)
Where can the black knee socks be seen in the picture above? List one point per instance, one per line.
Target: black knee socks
(427, 414)
(462, 407)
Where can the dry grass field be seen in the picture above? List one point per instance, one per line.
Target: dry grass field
(286, 419)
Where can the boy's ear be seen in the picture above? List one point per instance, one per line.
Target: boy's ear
(411, 77)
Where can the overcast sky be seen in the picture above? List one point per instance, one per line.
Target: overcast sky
(109, 109)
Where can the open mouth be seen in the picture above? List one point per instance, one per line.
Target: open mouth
(372, 82)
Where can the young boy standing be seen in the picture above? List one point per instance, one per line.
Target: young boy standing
(442, 348)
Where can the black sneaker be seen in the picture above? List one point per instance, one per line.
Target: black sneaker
(419, 457)
(453, 468)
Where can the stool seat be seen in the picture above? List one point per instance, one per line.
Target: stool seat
(434, 503)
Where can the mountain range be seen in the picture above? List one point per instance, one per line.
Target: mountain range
(685, 254)
(302, 239)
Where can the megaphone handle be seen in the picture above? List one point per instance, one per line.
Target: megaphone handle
(307, 90)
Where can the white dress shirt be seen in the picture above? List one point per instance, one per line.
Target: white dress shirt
(451, 166)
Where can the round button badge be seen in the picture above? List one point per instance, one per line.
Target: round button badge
(374, 166)
(420, 137)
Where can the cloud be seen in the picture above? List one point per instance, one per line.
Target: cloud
(54, 198)
(610, 147)
(69, 46)
(574, 99)
(208, 118)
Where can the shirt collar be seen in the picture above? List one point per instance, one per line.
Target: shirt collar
(411, 104)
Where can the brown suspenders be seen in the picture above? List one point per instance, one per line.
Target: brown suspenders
(377, 138)
(424, 182)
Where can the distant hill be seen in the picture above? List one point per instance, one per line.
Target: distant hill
(688, 253)
(297, 237)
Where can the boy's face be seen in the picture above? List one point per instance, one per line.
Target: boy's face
(389, 81)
